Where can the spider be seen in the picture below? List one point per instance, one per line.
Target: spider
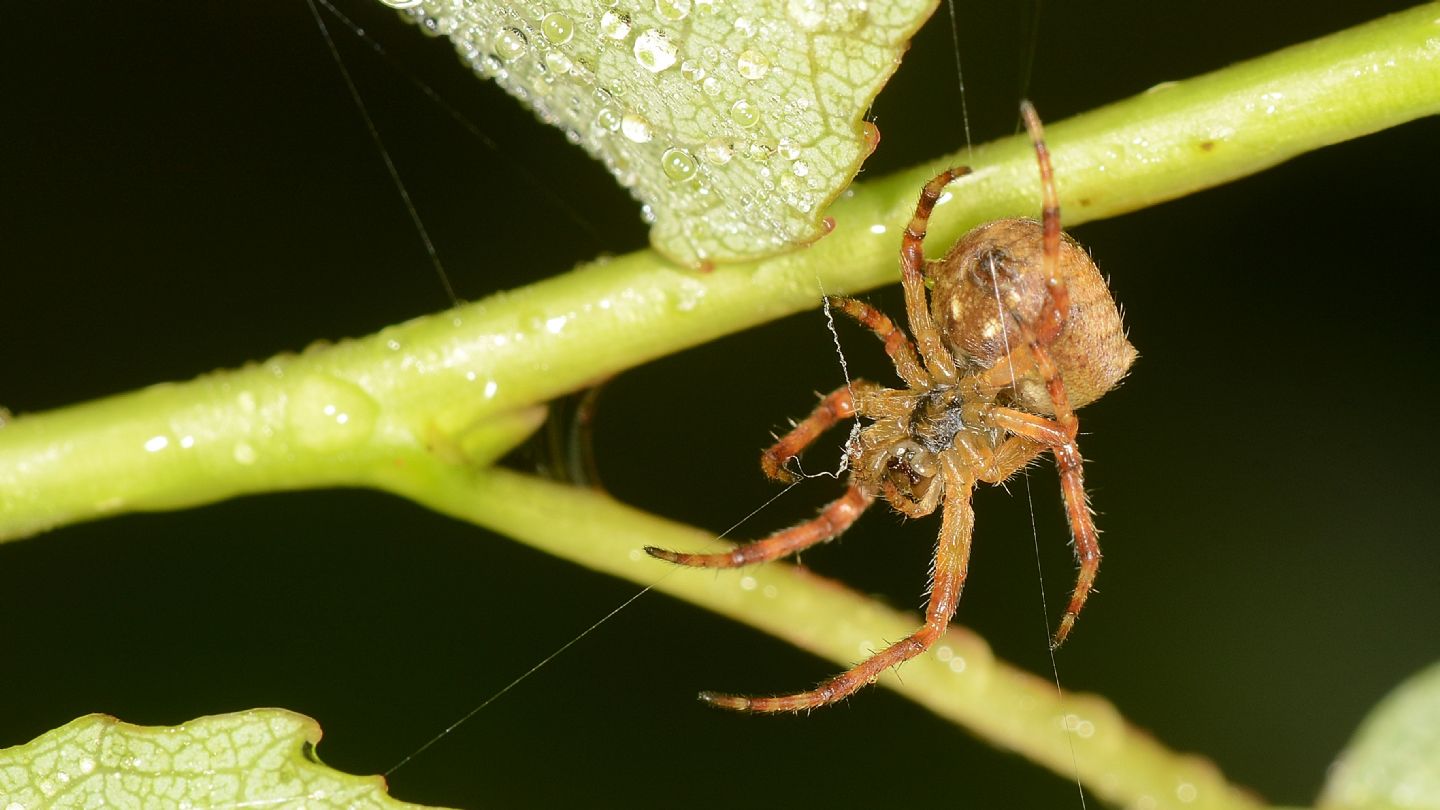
(1019, 331)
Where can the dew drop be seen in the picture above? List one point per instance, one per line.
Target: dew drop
(672, 10)
(744, 114)
(607, 119)
(647, 214)
(636, 128)
(488, 65)
(510, 44)
(557, 28)
(744, 26)
(677, 164)
(711, 86)
(558, 62)
(752, 64)
(787, 149)
(826, 15)
(800, 168)
(717, 151)
(692, 70)
(654, 51)
(615, 25)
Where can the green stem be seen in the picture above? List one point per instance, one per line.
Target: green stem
(1078, 736)
(419, 407)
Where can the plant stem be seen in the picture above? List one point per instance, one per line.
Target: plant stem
(962, 681)
(459, 383)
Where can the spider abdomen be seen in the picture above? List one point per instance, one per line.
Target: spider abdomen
(993, 280)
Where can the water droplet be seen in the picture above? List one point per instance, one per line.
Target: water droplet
(636, 128)
(717, 151)
(558, 62)
(744, 114)
(329, 414)
(677, 164)
(787, 149)
(800, 168)
(672, 10)
(615, 25)
(487, 65)
(607, 119)
(510, 44)
(692, 70)
(654, 51)
(752, 64)
(744, 26)
(711, 86)
(826, 15)
(557, 28)
(647, 214)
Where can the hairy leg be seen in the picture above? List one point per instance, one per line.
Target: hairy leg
(952, 558)
(833, 520)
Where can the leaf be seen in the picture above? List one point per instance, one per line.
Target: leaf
(257, 758)
(1394, 759)
(735, 122)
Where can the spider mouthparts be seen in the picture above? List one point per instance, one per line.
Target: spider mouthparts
(719, 701)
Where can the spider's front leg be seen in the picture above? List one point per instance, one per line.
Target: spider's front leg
(834, 519)
(952, 559)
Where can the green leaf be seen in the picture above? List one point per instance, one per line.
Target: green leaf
(736, 123)
(1394, 760)
(258, 758)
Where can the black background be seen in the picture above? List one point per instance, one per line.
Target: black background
(186, 186)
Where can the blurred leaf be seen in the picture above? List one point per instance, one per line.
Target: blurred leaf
(1394, 760)
(258, 758)
(735, 122)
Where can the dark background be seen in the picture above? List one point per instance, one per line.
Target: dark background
(188, 186)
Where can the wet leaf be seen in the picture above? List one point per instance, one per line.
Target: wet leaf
(735, 122)
(258, 758)
(1394, 759)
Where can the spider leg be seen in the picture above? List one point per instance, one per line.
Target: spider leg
(938, 360)
(952, 558)
(1060, 439)
(833, 520)
(897, 345)
(835, 407)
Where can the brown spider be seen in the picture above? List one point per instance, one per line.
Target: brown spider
(1019, 331)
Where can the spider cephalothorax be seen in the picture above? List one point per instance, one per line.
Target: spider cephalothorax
(1019, 330)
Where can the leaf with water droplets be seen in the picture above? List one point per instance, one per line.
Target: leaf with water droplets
(1394, 759)
(734, 122)
(258, 758)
